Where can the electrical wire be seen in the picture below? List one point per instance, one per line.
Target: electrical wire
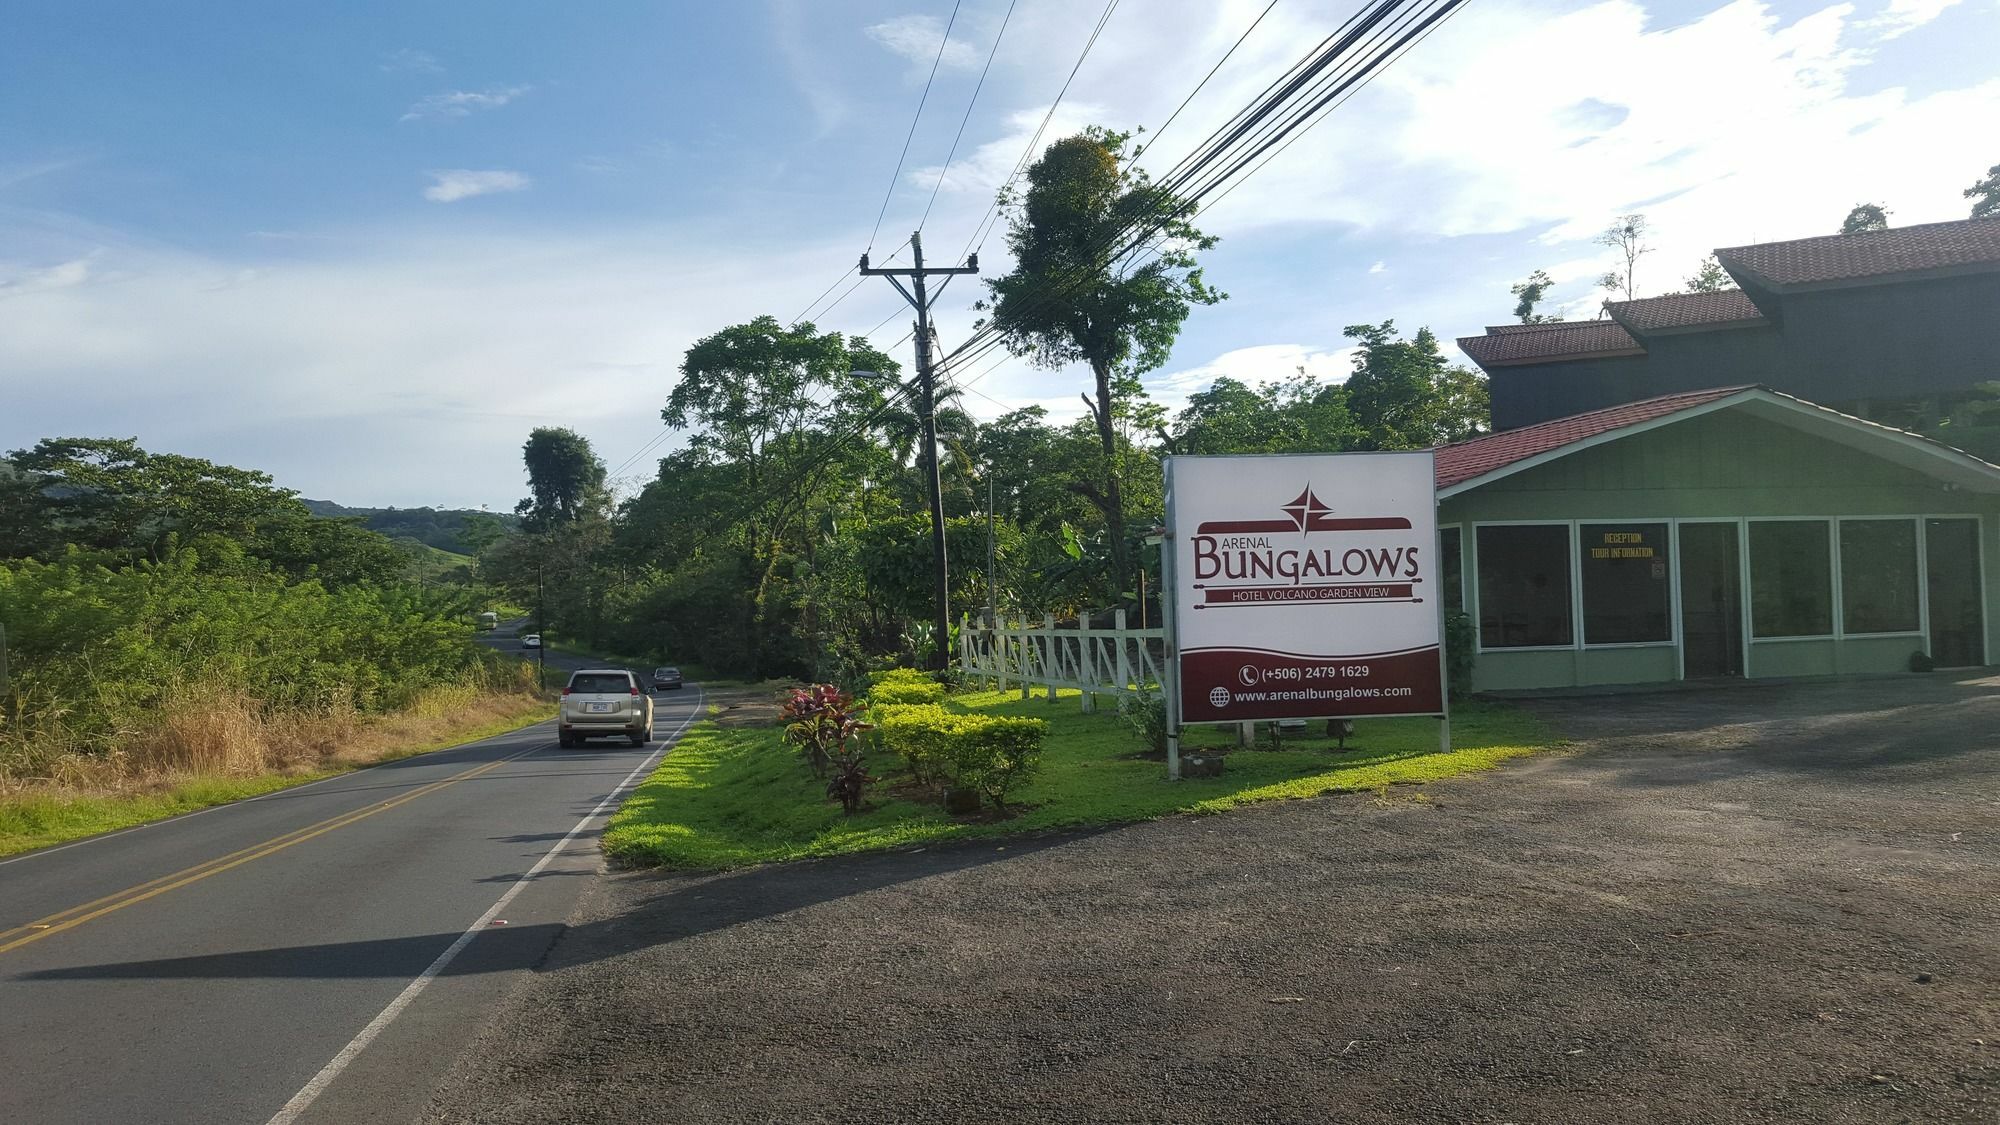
(993, 208)
(990, 55)
(943, 42)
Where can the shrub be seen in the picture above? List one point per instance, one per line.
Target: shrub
(825, 724)
(1146, 713)
(988, 754)
(904, 692)
(1459, 635)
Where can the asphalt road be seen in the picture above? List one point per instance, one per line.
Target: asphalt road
(318, 954)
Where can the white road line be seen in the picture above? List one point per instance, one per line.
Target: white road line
(285, 792)
(310, 1093)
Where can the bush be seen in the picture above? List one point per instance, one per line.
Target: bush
(1146, 713)
(989, 754)
(900, 676)
(825, 724)
(1459, 636)
(904, 692)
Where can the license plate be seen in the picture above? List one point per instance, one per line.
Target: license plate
(597, 707)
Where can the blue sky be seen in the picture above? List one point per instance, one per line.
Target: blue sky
(367, 246)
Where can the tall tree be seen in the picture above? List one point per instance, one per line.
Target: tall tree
(1067, 302)
(1985, 195)
(1710, 278)
(1864, 218)
(565, 477)
(1627, 236)
(1528, 294)
(1403, 395)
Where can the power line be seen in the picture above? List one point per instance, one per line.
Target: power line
(943, 42)
(1346, 59)
(1211, 73)
(935, 188)
(1109, 7)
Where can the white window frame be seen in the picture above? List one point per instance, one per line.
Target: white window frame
(1673, 582)
(1923, 629)
(1750, 591)
(1575, 623)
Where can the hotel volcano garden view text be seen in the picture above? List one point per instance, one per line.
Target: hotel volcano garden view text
(1299, 561)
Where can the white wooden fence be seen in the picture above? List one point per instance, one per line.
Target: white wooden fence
(1115, 661)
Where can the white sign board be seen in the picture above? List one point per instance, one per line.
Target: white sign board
(1305, 586)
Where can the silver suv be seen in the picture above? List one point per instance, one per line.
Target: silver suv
(604, 701)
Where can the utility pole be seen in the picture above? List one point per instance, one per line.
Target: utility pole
(992, 589)
(920, 300)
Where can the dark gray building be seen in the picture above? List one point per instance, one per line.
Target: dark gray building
(1897, 326)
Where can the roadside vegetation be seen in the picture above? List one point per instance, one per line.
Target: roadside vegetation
(731, 795)
(179, 633)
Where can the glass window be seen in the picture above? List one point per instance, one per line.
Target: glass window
(1627, 598)
(1524, 586)
(1878, 576)
(1452, 572)
(1791, 579)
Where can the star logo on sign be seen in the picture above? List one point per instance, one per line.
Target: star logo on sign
(1306, 509)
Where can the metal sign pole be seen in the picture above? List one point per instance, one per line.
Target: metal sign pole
(1170, 592)
(1444, 638)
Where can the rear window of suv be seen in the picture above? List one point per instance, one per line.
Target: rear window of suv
(586, 684)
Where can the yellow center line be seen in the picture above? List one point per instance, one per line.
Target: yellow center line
(77, 915)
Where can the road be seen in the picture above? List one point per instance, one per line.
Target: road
(319, 954)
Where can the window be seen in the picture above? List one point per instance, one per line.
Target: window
(1627, 597)
(1878, 576)
(1524, 586)
(1791, 579)
(601, 683)
(1452, 572)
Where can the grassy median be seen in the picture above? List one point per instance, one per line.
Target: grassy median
(734, 795)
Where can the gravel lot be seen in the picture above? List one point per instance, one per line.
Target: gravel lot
(1756, 904)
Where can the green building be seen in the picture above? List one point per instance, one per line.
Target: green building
(1733, 532)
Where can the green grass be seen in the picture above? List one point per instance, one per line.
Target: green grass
(30, 820)
(728, 797)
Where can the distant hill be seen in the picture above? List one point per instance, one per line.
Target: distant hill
(442, 528)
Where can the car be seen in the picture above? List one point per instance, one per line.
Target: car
(665, 678)
(604, 702)
(532, 640)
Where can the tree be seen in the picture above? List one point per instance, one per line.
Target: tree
(1530, 294)
(1985, 195)
(1067, 302)
(565, 477)
(1710, 278)
(1864, 218)
(1627, 236)
(1403, 394)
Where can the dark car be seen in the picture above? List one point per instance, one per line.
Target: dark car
(664, 678)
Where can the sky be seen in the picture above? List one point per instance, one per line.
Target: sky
(367, 246)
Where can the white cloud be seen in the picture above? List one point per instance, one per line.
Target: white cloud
(915, 37)
(1251, 366)
(454, 104)
(62, 275)
(1379, 267)
(1901, 17)
(453, 184)
(409, 60)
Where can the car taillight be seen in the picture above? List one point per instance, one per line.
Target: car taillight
(635, 691)
(565, 693)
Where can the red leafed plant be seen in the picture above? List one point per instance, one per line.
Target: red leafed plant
(825, 724)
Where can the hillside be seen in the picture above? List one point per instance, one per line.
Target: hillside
(442, 528)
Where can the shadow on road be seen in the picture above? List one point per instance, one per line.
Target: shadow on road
(683, 907)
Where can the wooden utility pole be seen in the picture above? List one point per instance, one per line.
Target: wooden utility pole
(920, 300)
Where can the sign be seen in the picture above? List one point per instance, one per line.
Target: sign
(1305, 586)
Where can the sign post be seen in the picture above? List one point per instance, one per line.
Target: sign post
(1303, 587)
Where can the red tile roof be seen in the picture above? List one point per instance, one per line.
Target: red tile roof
(1683, 310)
(1846, 257)
(1481, 455)
(1568, 340)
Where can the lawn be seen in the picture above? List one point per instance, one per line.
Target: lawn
(729, 796)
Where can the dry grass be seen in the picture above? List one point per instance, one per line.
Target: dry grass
(215, 747)
(222, 734)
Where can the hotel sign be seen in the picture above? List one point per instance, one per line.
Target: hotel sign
(1305, 586)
